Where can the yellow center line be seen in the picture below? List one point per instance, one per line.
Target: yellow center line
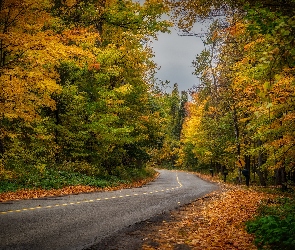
(87, 201)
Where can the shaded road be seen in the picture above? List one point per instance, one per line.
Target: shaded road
(80, 221)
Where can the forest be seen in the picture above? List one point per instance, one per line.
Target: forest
(79, 96)
(241, 119)
(80, 103)
(78, 99)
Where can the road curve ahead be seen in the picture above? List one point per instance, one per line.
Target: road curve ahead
(79, 221)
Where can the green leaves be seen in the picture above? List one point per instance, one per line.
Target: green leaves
(274, 227)
(78, 90)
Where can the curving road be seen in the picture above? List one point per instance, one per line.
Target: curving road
(80, 221)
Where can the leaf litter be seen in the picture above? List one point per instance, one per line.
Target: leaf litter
(216, 221)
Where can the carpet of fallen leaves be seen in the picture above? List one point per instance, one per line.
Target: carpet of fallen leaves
(38, 193)
(215, 221)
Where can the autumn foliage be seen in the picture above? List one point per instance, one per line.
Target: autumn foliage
(241, 115)
(76, 90)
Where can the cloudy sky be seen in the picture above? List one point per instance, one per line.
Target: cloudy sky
(174, 54)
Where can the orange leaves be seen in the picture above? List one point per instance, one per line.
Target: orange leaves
(213, 222)
(94, 66)
(252, 44)
(238, 29)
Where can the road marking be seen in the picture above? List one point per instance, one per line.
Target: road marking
(87, 201)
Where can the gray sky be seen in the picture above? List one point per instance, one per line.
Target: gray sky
(174, 54)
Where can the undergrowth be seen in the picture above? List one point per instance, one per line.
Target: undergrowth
(55, 178)
(274, 226)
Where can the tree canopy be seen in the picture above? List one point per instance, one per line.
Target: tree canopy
(76, 85)
(242, 113)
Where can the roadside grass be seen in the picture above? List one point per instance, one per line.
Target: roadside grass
(53, 181)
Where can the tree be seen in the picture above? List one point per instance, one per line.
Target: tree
(81, 83)
(246, 81)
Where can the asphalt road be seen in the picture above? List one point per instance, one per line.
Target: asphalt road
(80, 221)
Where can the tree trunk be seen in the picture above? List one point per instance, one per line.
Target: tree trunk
(281, 178)
(1, 148)
(260, 162)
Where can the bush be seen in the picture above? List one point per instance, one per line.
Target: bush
(274, 228)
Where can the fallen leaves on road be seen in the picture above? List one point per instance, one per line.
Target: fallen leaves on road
(38, 193)
(212, 222)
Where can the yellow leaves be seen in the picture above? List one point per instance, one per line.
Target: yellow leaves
(80, 36)
(125, 89)
(111, 102)
(33, 54)
(5, 174)
(238, 29)
(70, 3)
(252, 44)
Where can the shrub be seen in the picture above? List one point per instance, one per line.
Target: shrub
(274, 227)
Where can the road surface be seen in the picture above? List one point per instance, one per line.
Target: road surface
(80, 221)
